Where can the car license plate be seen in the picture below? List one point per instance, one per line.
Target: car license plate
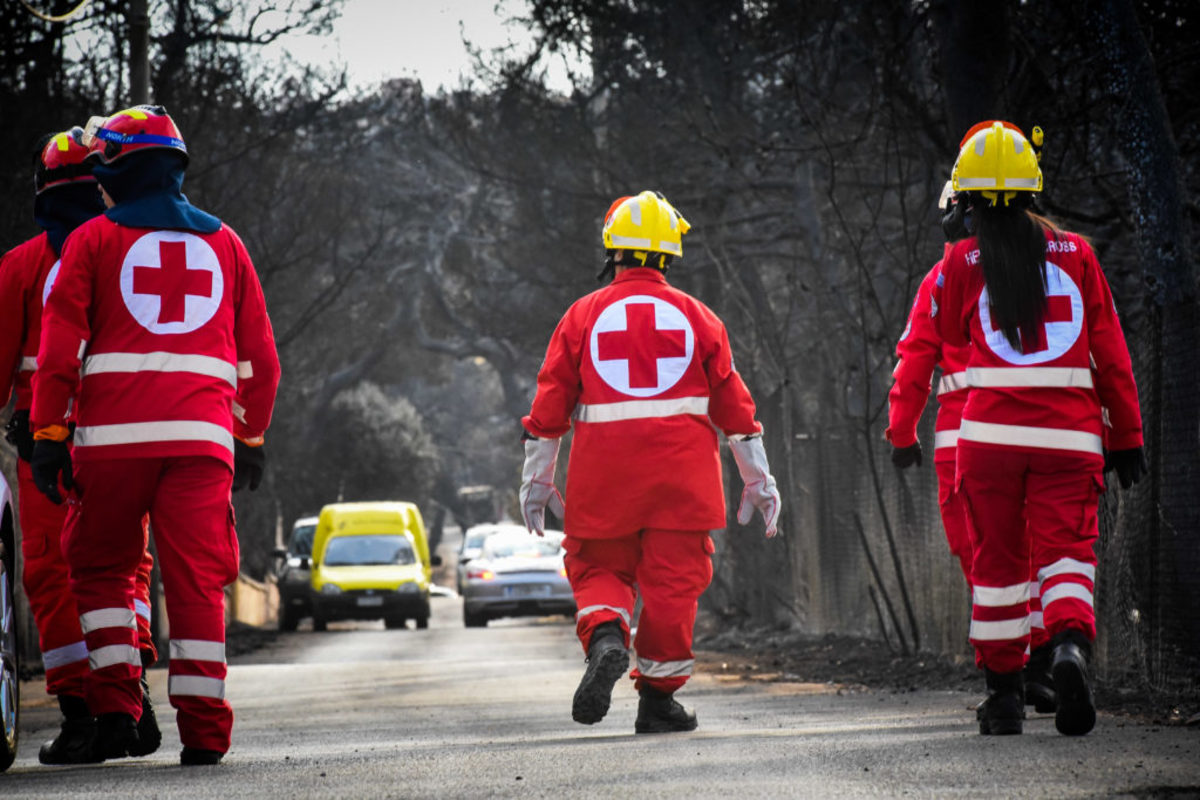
(528, 590)
(371, 601)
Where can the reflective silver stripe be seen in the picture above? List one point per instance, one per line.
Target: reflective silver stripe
(1025, 183)
(997, 596)
(67, 654)
(1035, 377)
(107, 618)
(630, 241)
(945, 439)
(1025, 436)
(977, 183)
(239, 412)
(671, 247)
(953, 382)
(1036, 621)
(28, 364)
(583, 612)
(113, 654)
(196, 686)
(163, 431)
(142, 609)
(161, 362)
(245, 369)
(665, 669)
(1063, 591)
(999, 630)
(1068, 566)
(198, 650)
(640, 409)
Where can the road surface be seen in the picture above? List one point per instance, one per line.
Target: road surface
(360, 711)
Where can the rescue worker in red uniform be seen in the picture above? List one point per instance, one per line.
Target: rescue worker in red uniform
(645, 374)
(1047, 353)
(66, 197)
(158, 332)
(919, 350)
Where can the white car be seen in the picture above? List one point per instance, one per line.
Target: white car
(10, 681)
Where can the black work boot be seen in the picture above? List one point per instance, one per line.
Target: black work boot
(659, 712)
(1076, 714)
(1039, 685)
(117, 735)
(606, 662)
(149, 736)
(76, 741)
(198, 757)
(1003, 712)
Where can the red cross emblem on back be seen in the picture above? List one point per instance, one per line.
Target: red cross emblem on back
(172, 281)
(642, 344)
(1058, 309)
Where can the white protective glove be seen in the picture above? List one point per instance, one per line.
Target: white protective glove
(537, 484)
(760, 491)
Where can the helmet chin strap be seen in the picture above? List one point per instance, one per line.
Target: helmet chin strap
(610, 263)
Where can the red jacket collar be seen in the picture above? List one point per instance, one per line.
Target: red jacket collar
(641, 274)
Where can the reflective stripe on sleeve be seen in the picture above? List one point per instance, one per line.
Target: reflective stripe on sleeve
(162, 431)
(107, 618)
(999, 630)
(113, 654)
(640, 409)
(583, 612)
(945, 439)
(67, 654)
(1036, 620)
(1064, 591)
(1029, 377)
(245, 369)
(142, 609)
(198, 650)
(160, 362)
(1027, 436)
(665, 669)
(999, 596)
(953, 382)
(28, 364)
(1068, 566)
(195, 686)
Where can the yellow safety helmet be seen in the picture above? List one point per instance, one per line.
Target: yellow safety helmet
(645, 223)
(996, 160)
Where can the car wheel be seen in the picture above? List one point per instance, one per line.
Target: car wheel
(319, 621)
(10, 681)
(474, 620)
(289, 618)
(422, 623)
(394, 623)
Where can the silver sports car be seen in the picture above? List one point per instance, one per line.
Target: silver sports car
(516, 575)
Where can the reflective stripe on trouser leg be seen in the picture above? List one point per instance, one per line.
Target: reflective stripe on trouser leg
(675, 569)
(44, 576)
(602, 573)
(1037, 627)
(197, 553)
(141, 604)
(992, 488)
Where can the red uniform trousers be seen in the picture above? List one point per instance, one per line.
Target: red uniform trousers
(670, 569)
(1029, 507)
(60, 639)
(187, 499)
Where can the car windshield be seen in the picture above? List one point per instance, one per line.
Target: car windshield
(475, 539)
(370, 549)
(302, 540)
(521, 547)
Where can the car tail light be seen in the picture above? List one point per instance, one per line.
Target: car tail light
(562, 571)
(480, 574)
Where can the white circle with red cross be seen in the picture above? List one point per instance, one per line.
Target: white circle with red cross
(171, 282)
(1060, 329)
(51, 276)
(641, 345)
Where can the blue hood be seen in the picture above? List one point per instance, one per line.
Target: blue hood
(62, 209)
(147, 190)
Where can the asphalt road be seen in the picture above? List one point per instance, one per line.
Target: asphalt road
(450, 712)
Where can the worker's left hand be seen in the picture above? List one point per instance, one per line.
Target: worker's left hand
(760, 491)
(50, 459)
(904, 457)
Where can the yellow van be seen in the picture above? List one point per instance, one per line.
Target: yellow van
(371, 561)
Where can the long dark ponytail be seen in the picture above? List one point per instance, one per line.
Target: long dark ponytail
(1012, 249)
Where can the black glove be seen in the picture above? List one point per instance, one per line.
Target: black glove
(1129, 464)
(248, 465)
(50, 459)
(956, 221)
(904, 457)
(17, 432)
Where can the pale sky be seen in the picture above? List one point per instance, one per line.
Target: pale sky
(381, 39)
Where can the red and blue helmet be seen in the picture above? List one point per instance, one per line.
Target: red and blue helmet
(135, 129)
(61, 160)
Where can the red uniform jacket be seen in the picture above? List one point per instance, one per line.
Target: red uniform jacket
(166, 333)
(1049, 392)
(26, 274)
(919, 350)
(645, 371)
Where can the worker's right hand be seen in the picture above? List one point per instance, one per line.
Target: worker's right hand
(51, 459)
(249, 462)
(1130, 465)
(904, 457)
(538, 491)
